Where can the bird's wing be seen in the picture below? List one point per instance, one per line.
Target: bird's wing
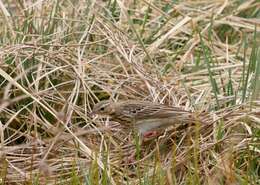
(153, 110)
(162, 112)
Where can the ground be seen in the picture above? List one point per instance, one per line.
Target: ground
(59, 58)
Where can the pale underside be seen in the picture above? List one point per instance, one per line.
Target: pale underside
(155, 124)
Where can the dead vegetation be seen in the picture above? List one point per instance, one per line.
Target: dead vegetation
(58, 58)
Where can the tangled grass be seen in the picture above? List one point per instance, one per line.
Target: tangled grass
(58, 58)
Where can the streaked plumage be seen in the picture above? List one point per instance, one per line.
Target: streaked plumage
(144, 116)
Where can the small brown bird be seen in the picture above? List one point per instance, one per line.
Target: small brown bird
(143, 116)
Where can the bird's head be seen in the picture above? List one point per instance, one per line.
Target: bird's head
(104, 108)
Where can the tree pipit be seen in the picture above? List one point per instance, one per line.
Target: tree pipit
(143, 116)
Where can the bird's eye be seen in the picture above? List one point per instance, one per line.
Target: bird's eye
(102, 108)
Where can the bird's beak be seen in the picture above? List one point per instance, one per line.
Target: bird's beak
(92, 114)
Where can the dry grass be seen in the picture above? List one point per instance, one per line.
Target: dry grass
(58, 58)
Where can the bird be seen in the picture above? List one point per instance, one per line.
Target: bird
(143, 116)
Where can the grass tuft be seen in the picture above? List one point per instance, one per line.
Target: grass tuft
(59, 58)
